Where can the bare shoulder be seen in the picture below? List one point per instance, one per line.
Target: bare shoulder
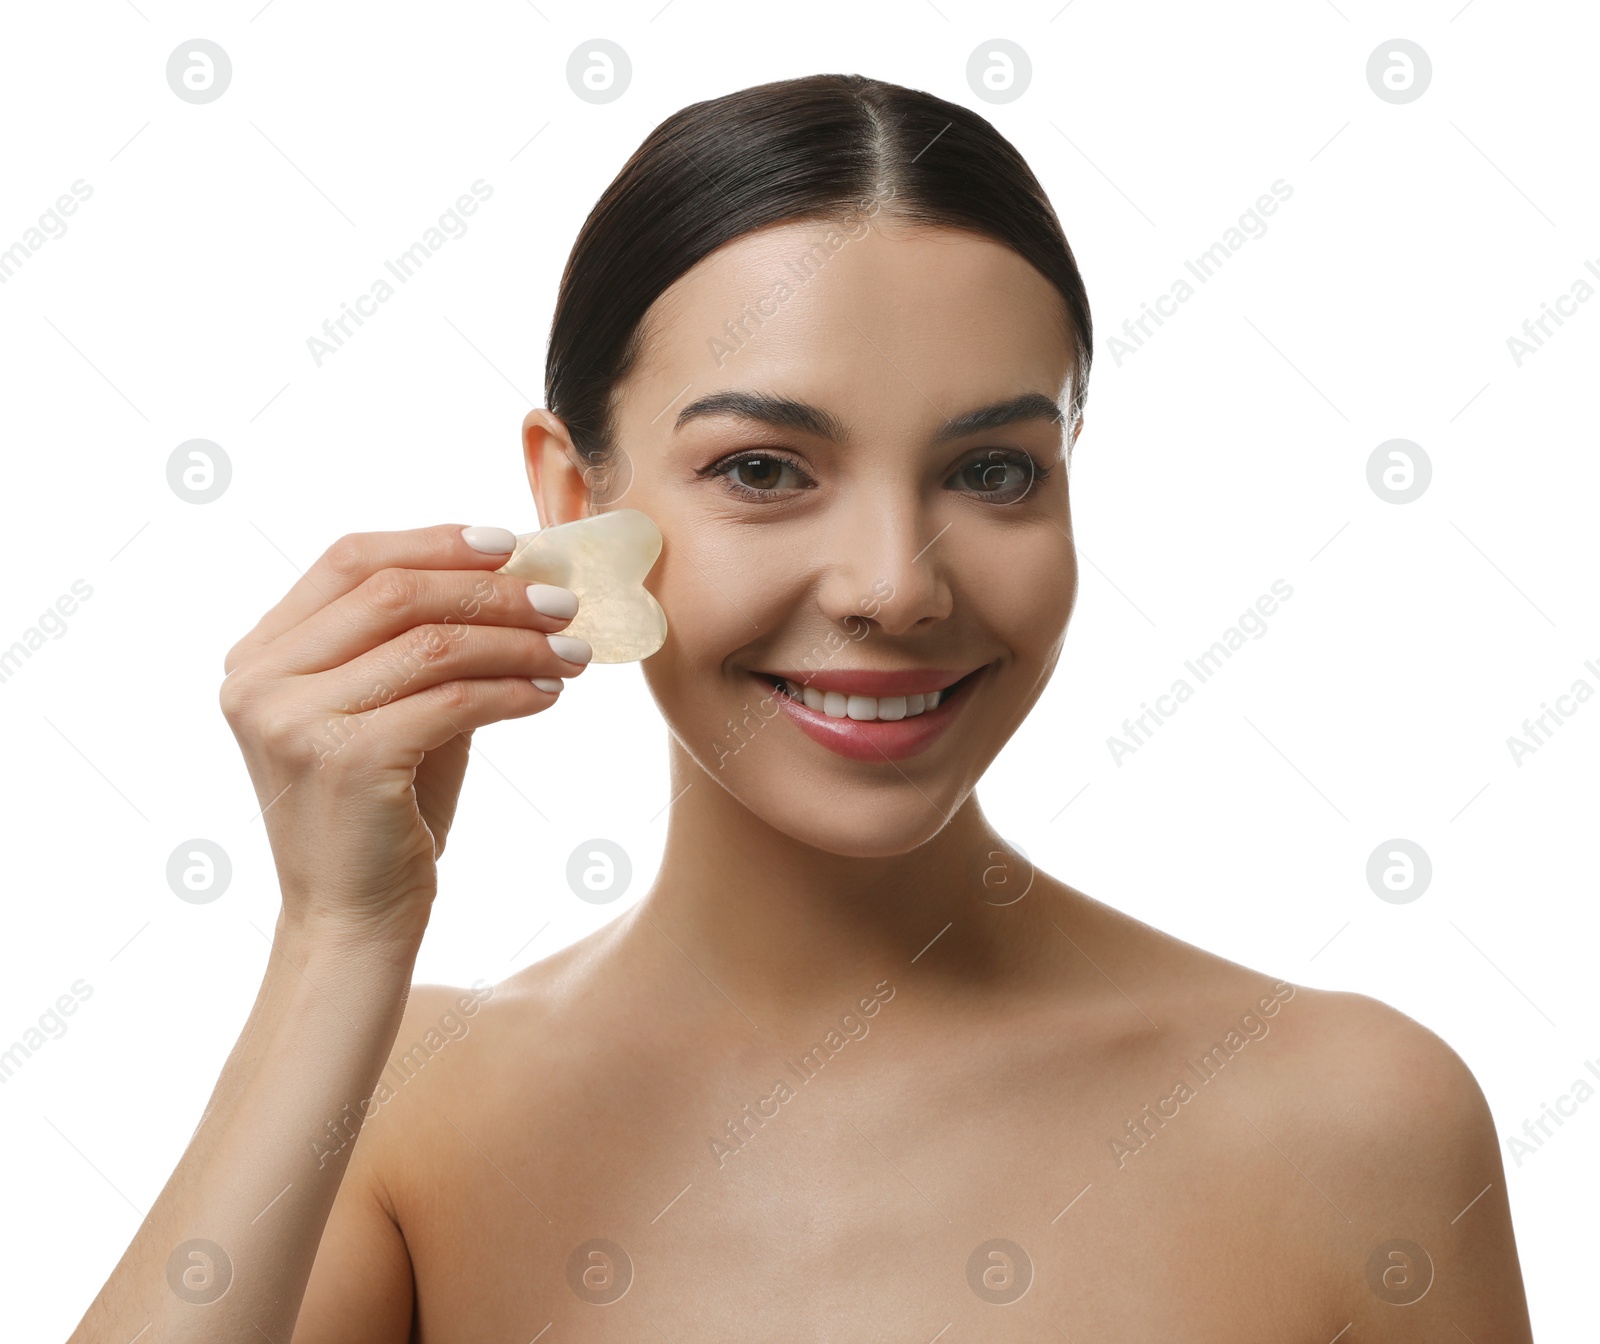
(1389, 1119)
(455, 1044)
(1392, 1183)
(439, 1048)
(1178, 988)
(1385, 1098)
(1330, 1045)
(1381, 1065)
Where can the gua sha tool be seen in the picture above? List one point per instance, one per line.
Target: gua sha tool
(604, 560)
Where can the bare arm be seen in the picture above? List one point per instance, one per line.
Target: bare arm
(354, 701)
(228, 1247)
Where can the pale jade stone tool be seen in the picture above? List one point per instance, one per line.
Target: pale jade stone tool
(604, 560)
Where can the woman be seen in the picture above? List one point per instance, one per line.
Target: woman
(850, 1069)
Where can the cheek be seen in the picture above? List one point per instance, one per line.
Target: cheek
(713, 609)
(726, 577)
(1021, 587)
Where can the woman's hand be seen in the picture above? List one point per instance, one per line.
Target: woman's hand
(354, 701)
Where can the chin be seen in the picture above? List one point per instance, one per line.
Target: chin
(883, 833)
(875, 821)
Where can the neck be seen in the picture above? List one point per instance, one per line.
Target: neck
(781, 927)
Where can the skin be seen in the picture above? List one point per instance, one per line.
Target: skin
(996, 1033)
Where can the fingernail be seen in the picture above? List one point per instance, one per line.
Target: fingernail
(570, 647)
(551, 684)
(489, 540)
(548, 600)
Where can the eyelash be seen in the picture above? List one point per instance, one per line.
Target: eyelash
(1037, 472)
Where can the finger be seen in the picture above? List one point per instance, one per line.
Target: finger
(430, 655)
(354, 558)
(393, 601)
(428, 719)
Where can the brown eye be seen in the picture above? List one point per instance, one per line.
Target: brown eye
(756, 475)
(986, 476)
(1002, 477)
(759, 473)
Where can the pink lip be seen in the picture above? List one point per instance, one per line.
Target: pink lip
(876, 739)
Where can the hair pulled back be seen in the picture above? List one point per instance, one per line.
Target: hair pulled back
(813, 148)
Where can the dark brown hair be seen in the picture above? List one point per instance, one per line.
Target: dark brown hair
(812, 149)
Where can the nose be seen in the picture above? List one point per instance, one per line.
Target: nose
(889, 567)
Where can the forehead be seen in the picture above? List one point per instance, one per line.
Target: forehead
(884, 324)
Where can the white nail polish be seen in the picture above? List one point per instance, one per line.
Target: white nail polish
(489, 540)
(570, 647)
(549, 600)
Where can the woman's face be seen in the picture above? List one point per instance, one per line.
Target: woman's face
(831, 515)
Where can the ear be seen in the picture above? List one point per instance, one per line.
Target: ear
(1072, 443)
(555, 471)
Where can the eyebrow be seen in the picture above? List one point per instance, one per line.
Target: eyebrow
(786, 413)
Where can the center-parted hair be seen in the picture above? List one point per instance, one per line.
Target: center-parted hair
(818, 149)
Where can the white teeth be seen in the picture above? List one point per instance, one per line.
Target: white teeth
(863, 708)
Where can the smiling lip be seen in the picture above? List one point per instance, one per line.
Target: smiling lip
(913, 681)
(879, 740)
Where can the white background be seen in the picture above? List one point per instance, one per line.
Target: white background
(1227, 452)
